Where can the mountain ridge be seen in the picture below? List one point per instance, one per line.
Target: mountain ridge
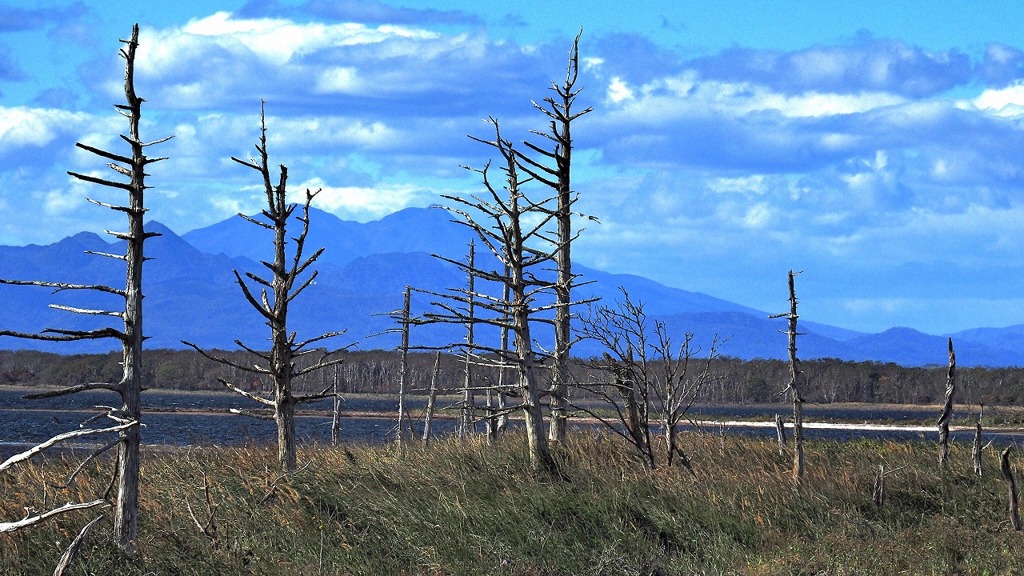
(191, 294)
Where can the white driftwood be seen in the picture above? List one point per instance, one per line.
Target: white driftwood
(32, 520)
(21, 457)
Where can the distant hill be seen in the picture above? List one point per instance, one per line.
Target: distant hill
(191, 294)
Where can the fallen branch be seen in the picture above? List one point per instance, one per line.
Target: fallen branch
(60, 438)
(33, 520)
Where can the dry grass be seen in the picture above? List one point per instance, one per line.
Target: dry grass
(467, 508)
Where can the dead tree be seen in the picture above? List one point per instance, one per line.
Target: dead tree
(780, 433)
(947, 409)
(1011, 487)
(653, 382)
(403, 372)
(467, 423)
(509, 224)
(428, 418)
(336, 410)
(559, 109)
(878, 488)
(277, 292)
(794, 382)
(976, 447)
(130, 335)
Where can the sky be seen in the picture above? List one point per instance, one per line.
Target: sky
(878, 147)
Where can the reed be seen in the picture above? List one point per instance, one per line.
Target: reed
(468, 508)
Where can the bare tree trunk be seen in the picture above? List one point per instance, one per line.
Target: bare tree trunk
(794, 382)
(467, 425)
(431, 399)
(284, 416)
(403, 373)
(976, 448)
(507, 237)
(780, 432)
(280, 363)
(947, 408)
(540, 457)
(879, 491)
(1011, 482)
(502, 423)
(126, 507)
(336, 414)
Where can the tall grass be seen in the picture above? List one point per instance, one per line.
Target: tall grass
(467, 508)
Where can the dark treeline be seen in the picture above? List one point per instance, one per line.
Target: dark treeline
(377, 372)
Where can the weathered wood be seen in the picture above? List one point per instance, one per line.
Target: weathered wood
(428, 419)
(947, 408)
(780, 432)
(129, 389)
(560, 133)
(467, 421)
(336, 413)
(878, 488)
(976, 448)
(272, 302)
(508, 236)
(403, 371)
(652, 381)
(38, 448)
(1011, 486)
(794, 381)
(33, 519)
(72, 550)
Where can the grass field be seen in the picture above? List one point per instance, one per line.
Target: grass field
(468, 508)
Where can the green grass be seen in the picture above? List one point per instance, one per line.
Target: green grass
(467, 508)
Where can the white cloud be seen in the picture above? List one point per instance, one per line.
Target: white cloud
(22, 126)
(365, 203)
(340, 79)
(755, 183)
(618, 90)
(1008, 101)
(687, 95)
(277, 41)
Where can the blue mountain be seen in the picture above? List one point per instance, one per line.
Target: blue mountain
(192, 294)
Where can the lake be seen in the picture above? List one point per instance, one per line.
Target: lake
(202, 418)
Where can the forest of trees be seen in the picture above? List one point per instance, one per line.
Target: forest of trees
(376, 372)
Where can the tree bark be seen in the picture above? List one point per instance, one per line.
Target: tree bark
(1011, 486)
(403, 373)
(947, 409)
(431, 399)
(780, 432)
(794, 382)
(467, 424)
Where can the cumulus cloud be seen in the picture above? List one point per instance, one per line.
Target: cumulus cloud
(365, 203)
(366, 11)
(22, 127)
(221, 60)
(864, 64)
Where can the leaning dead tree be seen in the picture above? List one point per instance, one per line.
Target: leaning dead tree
(126, 418)
(276, 293)
(553, 167)
(947, 408)
(510, 225)
(793, 388)
(651, 381)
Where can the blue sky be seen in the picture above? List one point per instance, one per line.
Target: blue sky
(877, 146)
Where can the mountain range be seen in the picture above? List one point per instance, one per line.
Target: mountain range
(191, 295)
